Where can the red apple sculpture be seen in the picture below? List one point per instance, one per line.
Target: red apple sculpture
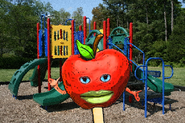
(95, 79)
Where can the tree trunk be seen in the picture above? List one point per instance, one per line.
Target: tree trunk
(146, 7)
(172, 16)
(165, 22)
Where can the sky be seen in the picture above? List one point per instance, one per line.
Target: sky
(72, 5)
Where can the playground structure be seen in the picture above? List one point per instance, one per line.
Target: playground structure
(56, 42)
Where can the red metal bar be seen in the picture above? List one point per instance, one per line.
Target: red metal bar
(104, 35)
(49, 53)
(130, 40)
(38, 68)
(80, 28)
(85, 28)
(108, 28)
(72, 38)
(94, 25)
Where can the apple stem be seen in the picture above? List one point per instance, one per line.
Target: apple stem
(96, 41)
(98, 115)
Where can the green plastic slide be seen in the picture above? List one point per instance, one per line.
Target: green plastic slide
(51, 97)
(19, 74)
(154, 83)
(34, 78)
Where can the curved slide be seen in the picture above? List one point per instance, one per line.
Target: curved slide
(34, 78)
(51, 97)
(19, 74)
(154, 83)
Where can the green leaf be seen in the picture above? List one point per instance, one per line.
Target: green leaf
(85, 50)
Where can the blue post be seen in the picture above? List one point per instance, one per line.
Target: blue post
(145, 91)
(40, 42)
(40, 37)
(110, 43)
(45, 41)
(124, 101)
(126, 47)
(163, 85)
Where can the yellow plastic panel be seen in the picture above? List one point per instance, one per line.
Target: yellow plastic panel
(60, 41)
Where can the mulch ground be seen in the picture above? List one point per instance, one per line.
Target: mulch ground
(24, 109)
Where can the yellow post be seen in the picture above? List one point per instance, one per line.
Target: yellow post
(98, 115)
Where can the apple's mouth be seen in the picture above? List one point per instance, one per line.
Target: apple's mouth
(96, 97)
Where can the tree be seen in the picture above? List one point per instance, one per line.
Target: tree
(98, 16)
(60, 17)
(18, 26)
(4, 30)
(78, 16)
(177, 40)
(172, 15)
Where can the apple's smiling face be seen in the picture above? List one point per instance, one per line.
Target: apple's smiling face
(98, 82)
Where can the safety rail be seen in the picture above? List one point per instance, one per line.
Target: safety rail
(125, 52)
(144, 70)
(145, 73)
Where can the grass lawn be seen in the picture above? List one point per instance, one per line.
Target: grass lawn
(178, 77)
(6, 74)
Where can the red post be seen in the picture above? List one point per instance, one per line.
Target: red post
(108, 28)
(94, 25)
(72, 38)
(85, 28)
(105, 36)
(38, 68)
(130, 40)
(80, 28)
(49, 53)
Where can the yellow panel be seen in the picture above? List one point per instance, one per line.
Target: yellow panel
(101, 30)
(61, 41)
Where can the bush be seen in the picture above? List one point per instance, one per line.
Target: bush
(13, 62)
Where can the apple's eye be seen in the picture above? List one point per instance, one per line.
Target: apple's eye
(84, 80)
(105, 77)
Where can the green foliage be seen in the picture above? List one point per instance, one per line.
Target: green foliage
(78, 16)
(176, 44)
(151, 27)
(60, 17)
(13, 62)
(18, 25)
(99, 14)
